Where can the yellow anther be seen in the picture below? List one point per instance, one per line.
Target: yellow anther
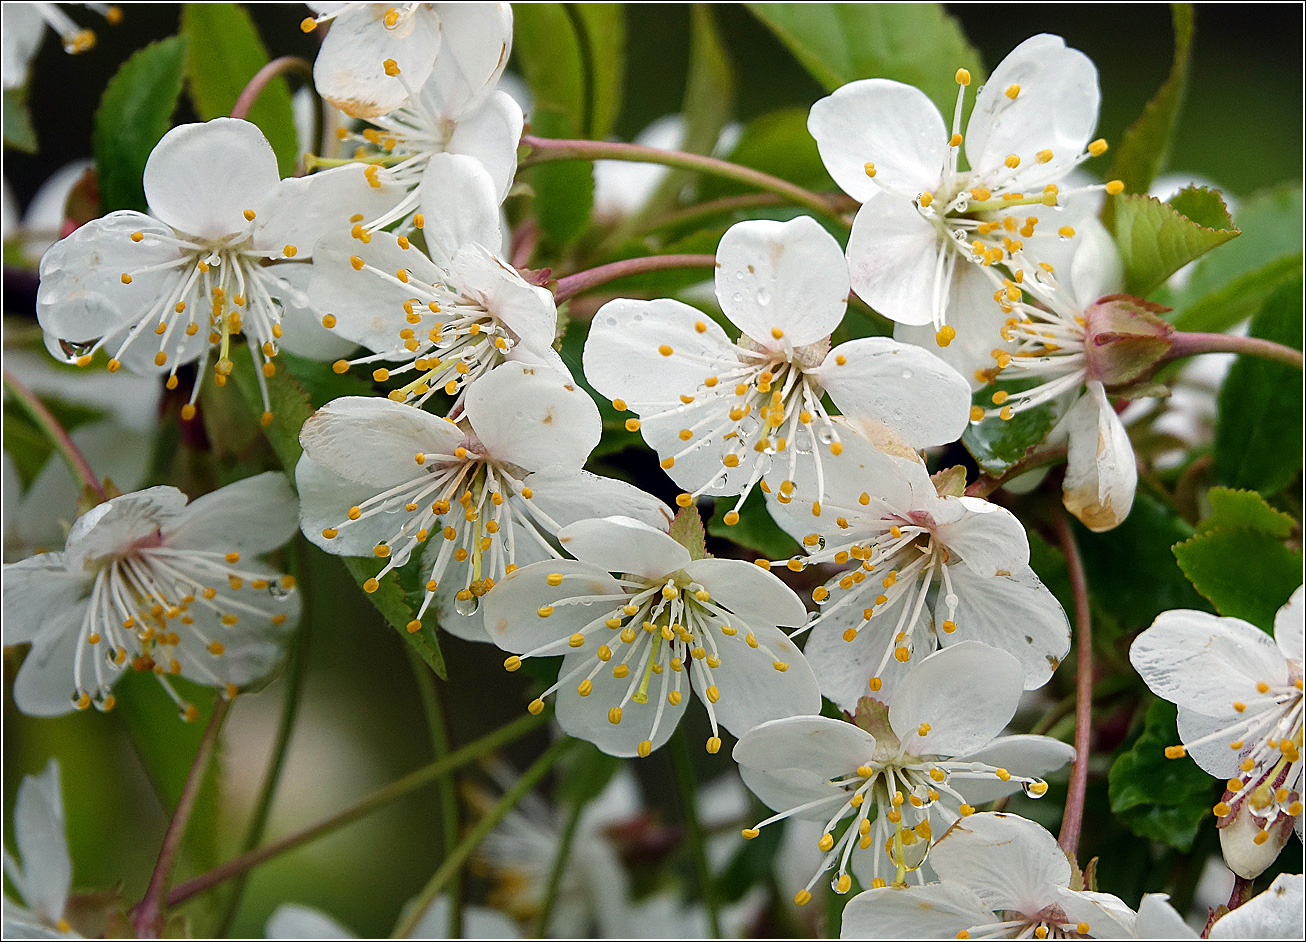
(1012, 91)
(949, 627)
(665, 350)
(954, 141)
(536, 707)
(1239, 706)
(1115, 186)
(357, 262)
(713, 744)
(869, 168)
(966, 810)
(391, 67)
(586, 687)
(1097, 148)
(1066, 232)
(614, 715)
(777, 333)
(963, 77)
(1012, 161)
(1175, 752)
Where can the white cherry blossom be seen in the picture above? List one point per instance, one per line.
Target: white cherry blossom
(150, 581)
(923, 218)
(1239, 694)
(158, 291)
(724, 415)
(922, 758)
(636, 641)
(293, 921)
(43, 872)
(380, 479)
(1273, 914)
(1001, 877)
(24, 28)
(439, 321)
(926, 569)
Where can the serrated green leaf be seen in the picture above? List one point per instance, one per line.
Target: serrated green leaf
(755, 530)
(1245, 574)
(1157, 239)
(1258, 430)
(1143, 147)
(916, 43)
(320, 381)
(777, 143)
(1233, 284)
(18, 131)
(1166, 800)
(1245, 509)
(390, 600)
(603, 35)
(135, 112)
(687, 530)
(225, 53)
(548, 52)
(564, 191)
(997, 444)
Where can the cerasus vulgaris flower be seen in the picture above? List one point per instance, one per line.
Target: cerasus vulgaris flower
(478, 497)
(922, 759)
(458, 109)
(923, 218)
(1239, 694)
(724, 415)
(924, 569)
(1001, 877)
(148, 581)
(439, 321)
(24, 28)
(44, 873)
(159, 291)
(641, 619)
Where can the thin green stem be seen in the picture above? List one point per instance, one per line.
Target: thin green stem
(1072, 821)
(559, 867)
(986, 484)
(446, 785)
(296, 669)
(147, 916)
(682, 770)
(545, 149)
(364, 806)
(58, 435)
(453, 862)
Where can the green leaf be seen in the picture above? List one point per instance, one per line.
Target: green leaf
(1258, 430)
(393, 603)
(1143, 147)
(1157, 239)
(19, 133)
(1245, 574)
(1131, 572)
(564, 191)
(225, 53)
(602, 28)
(1245, 509)
(997, 444)
(320, 381)
(916, 43)
(687, 530)
(548, 52)
(1166, 800)
(1234, 283)
(135, 112)
(755, 530)
(777, 143)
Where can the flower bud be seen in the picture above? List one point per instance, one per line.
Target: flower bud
(1125, 340)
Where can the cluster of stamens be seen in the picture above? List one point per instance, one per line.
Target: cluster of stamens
(447, 341)
(663, 632)
(141, 615)
(1021, 926)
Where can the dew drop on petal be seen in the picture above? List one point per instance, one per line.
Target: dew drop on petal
(466, 606)
(76, 348)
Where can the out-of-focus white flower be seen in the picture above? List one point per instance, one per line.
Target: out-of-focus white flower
(44, 874)
(925, 756)
(449, 318)
(1239, 694)
(163, 290)
(137, 584)
(292, 921)
(887, 145)
(665, 622)
(379, 479)
(44, 220)
(724, 415)
(928, 569)
(24, 27)
(1002, 877)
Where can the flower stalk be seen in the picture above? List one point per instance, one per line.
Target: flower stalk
(59, 437)
(1189, 343)
(572, 285)
(1072, 821)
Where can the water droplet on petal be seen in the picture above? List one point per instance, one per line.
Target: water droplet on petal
(763, 297)
(466, 606)
(76, 348)
(1035, 789)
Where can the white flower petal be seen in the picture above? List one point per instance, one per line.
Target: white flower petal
(1006, 860)
(987, 537)
(791, 761)
(491, 134)
(1014, 612)
(1274, 914)
(787, 277)
(962, 717)
(478, 922)
(893, 259)
(1214, 756)
(977, 319)
(200, 178)
(37, 589)
(460, 203)
(375, 441)
(1288, 626)
(911, 391)
(752, 690)
(934, 911)
(45, 682)
(587, 717)
(1107, 916)
(1205, 663)
(350, 68)
(252, 515)
(476, 41)
(292, 921)
(1157, 919)
(844, 668)
(303, 333)
(1033, 756)
(24, 28)
(620, 544)
(527, 310)
(569, 495)
(756, 595)
(113, 526)
(891, 125)
(533, 417)
(511, 609)
(299, 211)
(324, 500)
(38, 831)
(1055, 109)
(1101, 474)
